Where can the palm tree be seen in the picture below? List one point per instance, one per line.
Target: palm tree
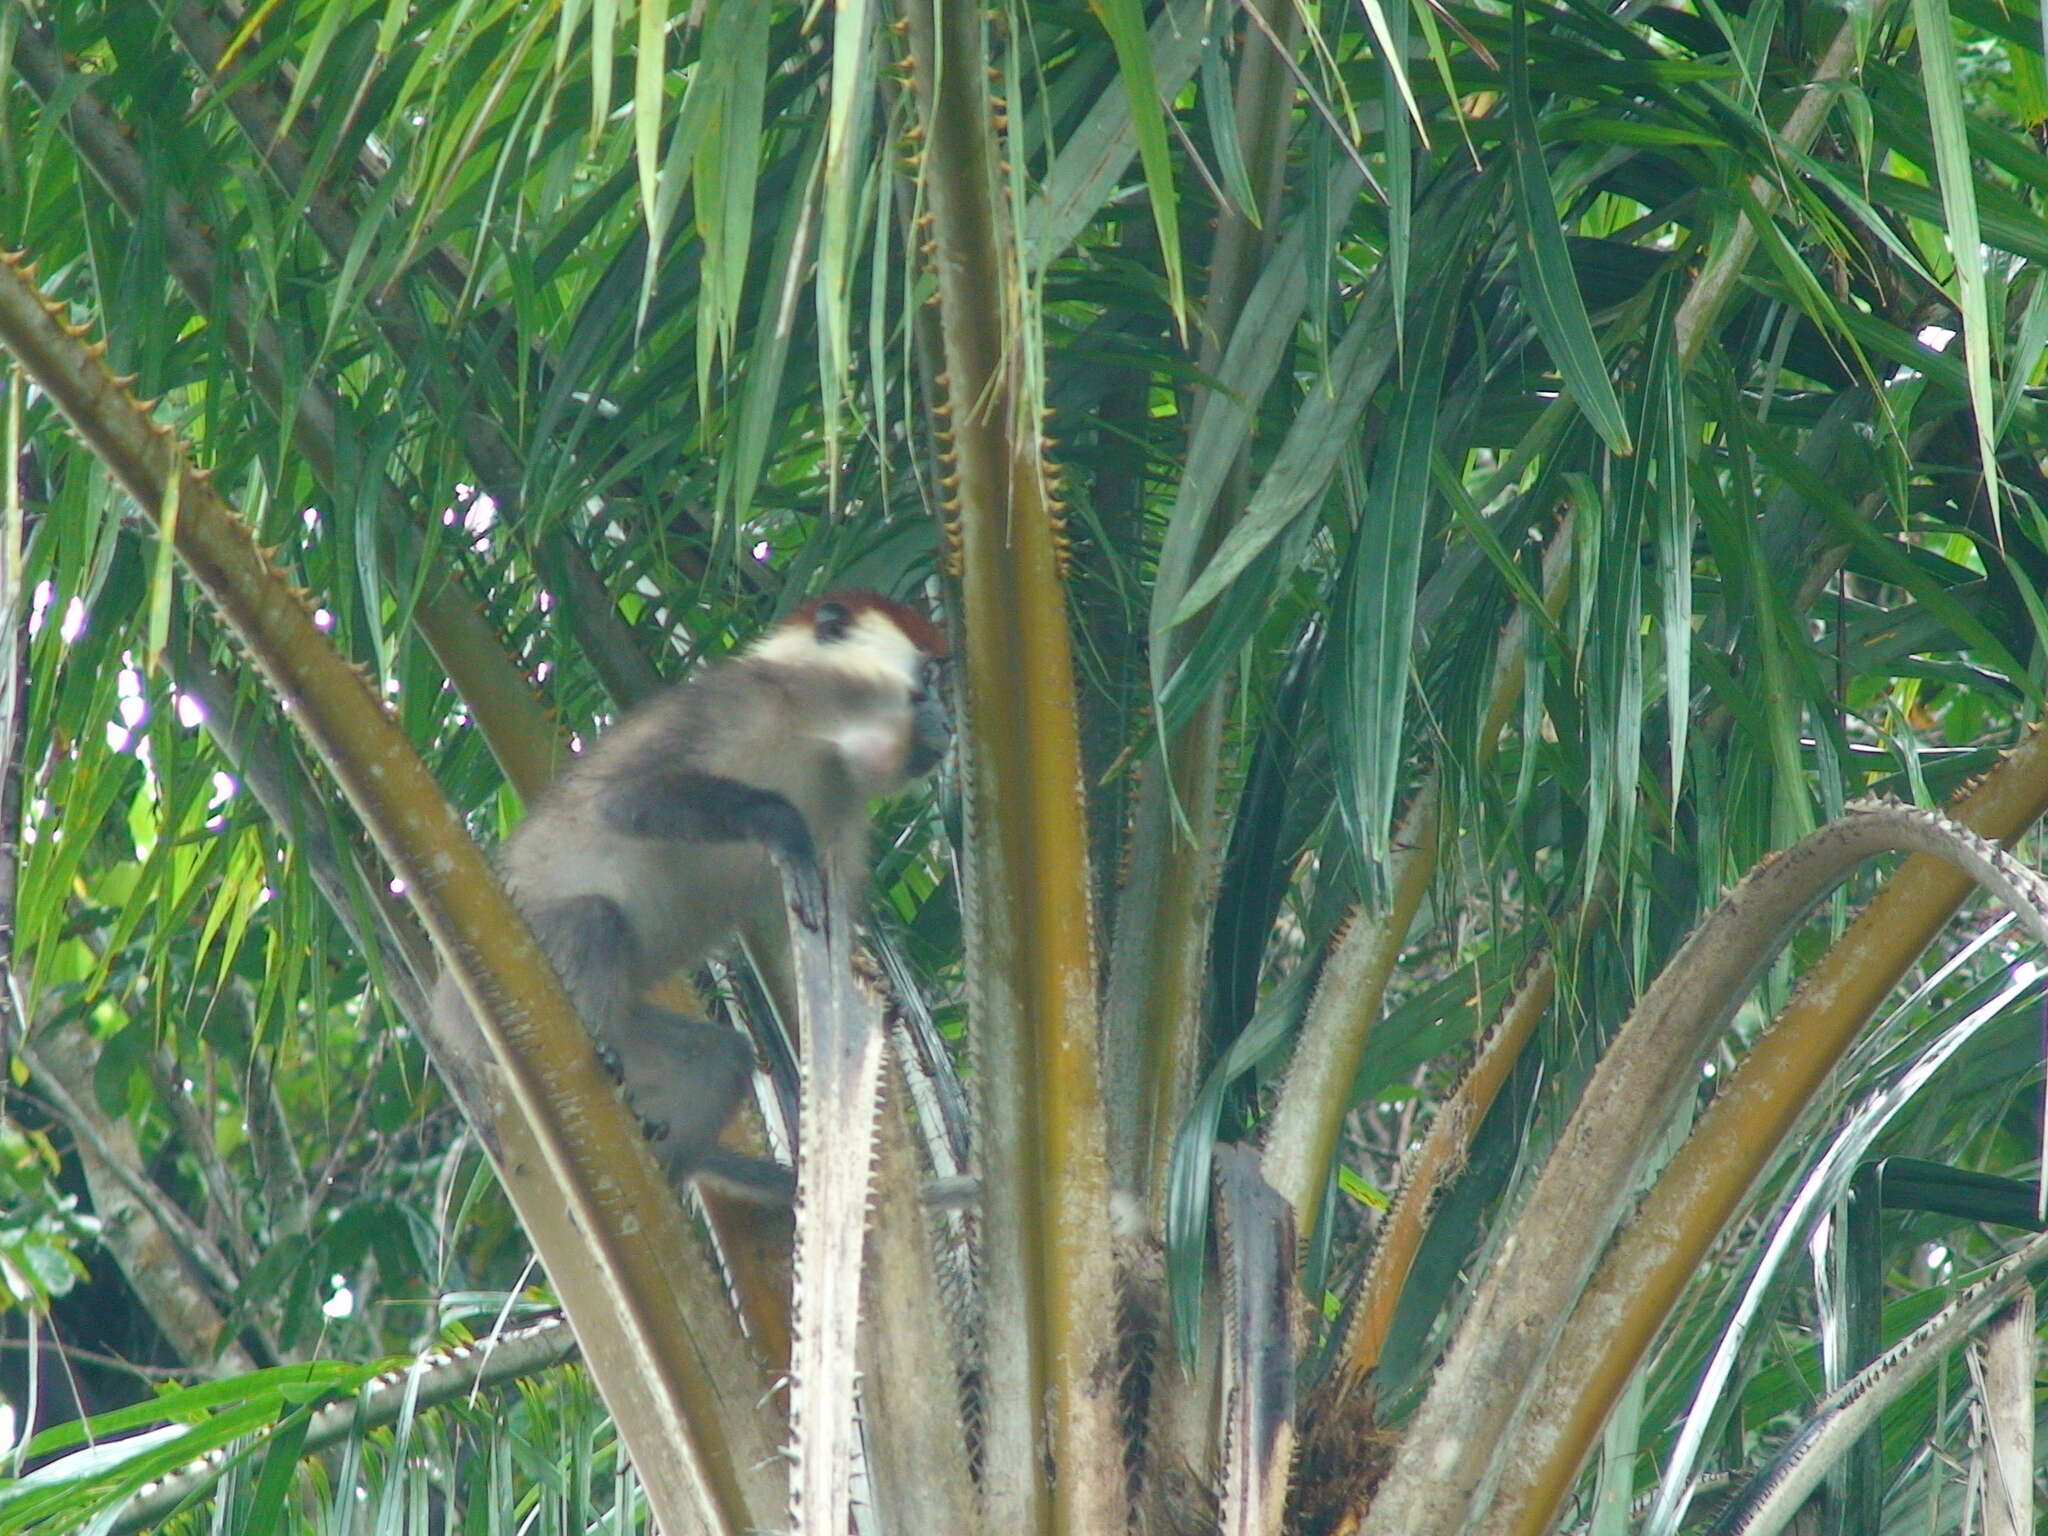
(1426, 498)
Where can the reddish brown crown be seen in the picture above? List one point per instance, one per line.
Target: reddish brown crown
(916, 626)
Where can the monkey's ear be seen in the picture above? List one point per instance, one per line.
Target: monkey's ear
(832, 620)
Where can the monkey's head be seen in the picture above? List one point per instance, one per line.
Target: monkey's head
(882, 645)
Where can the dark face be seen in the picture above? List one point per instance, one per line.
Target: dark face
(931, 722)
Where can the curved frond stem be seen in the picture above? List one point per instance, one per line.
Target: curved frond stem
(436, 1377)
(1301, 1141)
(1776, 1495)
(1472, 1425)
(521, 735)
(1702, 305)
(663, 1346)
(1441, 1157)
(1638, 1284)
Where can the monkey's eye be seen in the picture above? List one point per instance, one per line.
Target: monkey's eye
(832, 622)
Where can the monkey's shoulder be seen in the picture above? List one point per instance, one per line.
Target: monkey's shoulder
(679, 725)
(745, 716)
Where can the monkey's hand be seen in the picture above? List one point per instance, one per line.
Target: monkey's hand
(803, 886)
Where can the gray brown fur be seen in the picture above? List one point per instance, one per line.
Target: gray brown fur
(665, 843)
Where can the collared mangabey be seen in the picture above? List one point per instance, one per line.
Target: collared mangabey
(653, 852)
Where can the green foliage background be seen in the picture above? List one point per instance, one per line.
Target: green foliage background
(606, 321)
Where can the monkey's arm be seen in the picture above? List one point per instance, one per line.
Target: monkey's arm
(692, 806)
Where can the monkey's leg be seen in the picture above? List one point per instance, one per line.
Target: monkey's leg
(688, 805)
(684, 1078)
(591, 944)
